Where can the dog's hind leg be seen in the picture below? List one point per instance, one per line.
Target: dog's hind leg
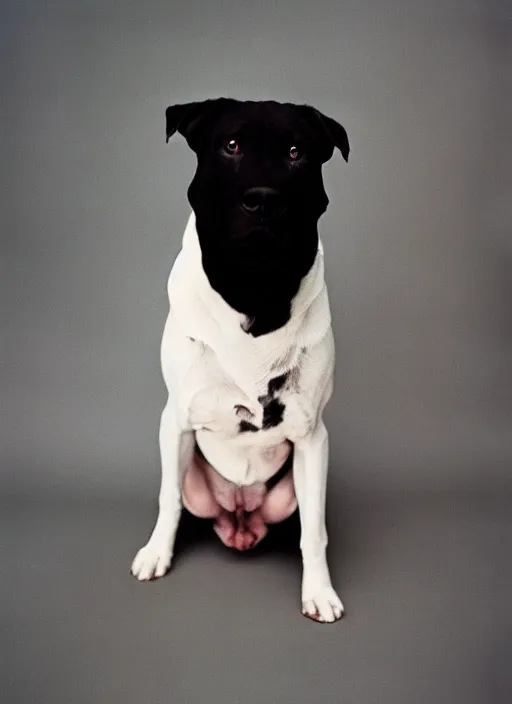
(197, 495)
(206, 494)
(280, 502)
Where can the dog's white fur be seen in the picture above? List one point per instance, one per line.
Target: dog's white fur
(210, 365)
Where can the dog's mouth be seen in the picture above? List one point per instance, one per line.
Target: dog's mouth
(261, 228)
(258, 240)
(255, 233)
(255, 247)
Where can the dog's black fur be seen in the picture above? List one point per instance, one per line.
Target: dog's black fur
(257, 204)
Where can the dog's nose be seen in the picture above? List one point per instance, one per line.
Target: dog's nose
(263, 201)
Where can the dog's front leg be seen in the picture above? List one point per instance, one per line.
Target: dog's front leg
(176, 448)
(319, 600)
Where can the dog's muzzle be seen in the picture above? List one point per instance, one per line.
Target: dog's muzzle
(263, 203)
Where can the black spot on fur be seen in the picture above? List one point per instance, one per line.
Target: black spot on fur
(276, 384)
(273, 413)
(293, 378)
(245, 427)
(273, 408)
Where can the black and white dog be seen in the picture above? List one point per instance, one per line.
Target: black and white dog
(247, 349)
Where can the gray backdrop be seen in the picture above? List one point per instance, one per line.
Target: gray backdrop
(419, 264)
(419, 252)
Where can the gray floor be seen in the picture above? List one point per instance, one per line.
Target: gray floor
(426, 580)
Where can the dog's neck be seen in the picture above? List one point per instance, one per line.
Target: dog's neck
(265, 304)
(203, 315)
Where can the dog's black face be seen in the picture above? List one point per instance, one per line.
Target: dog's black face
(257, 195)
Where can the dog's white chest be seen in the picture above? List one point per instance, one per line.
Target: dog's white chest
(245, 433)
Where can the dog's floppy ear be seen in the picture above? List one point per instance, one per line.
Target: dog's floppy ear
(331, 133)
(190, 119)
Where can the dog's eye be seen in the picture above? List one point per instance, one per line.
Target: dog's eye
(294, 153)
(232, 147)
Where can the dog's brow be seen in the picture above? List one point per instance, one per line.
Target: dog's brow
(230, 123)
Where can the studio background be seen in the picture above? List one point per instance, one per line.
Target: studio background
(419, 267)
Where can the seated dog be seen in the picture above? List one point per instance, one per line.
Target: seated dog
(247, 349)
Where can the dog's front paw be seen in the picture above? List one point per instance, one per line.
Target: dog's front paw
(323, 606)
(152, 561)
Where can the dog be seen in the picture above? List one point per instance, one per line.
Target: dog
(247, 350)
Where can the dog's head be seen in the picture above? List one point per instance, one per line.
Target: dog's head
(258, 192)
